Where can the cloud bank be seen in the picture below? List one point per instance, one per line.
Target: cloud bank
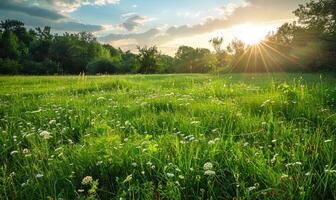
(54, 13)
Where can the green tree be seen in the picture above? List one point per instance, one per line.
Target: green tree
(10, 46)
(190, 60)
(129, 62)
(148, 57)
(318, 15)
(220, 53)
(236, 49)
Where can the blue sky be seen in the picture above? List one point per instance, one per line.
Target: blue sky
(165, 23)
(172, 12)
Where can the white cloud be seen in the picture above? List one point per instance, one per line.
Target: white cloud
(229, 9)
(69, 6)
(133, 22)
(102, 2)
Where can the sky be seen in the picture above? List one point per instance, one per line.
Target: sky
(167, 24)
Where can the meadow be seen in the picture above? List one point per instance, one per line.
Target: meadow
(234, 136)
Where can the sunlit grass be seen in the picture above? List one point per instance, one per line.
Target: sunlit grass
(254, 136)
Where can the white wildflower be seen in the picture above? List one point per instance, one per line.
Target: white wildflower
(51, 122)
(59, 148)
(149, 163)
(25, 151)
(207, 166)
(209, 173)
(100, 98)
(39, 175)
(87, 180)
(177, 183)
(274, 158)
(330, 171)
(170, 175)
(293, 164)
(251, 188)
(211, 142)
(128, 123)
(46, 135)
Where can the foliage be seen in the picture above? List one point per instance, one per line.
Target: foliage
(148, 57)
(36, 50)
(190, 60)
(8, 66)
(102, 66)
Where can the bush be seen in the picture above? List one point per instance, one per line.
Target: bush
(8, 66)
(39, 68)
(102, 66)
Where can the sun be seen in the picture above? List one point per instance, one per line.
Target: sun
(251, 34)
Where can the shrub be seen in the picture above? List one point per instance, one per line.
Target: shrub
(38, 68)
(8, 66)
(102, 66)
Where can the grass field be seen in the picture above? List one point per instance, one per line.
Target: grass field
(239, 136)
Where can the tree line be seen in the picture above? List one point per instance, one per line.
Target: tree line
(308, 44)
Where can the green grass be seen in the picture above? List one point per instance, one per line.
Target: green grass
(153, 137)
